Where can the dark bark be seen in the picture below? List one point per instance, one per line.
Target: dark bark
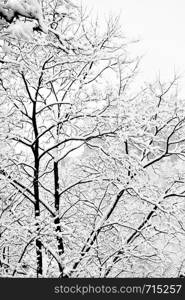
(60, 245)
(36, 193)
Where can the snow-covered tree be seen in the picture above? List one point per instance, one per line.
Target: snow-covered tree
(91, 175)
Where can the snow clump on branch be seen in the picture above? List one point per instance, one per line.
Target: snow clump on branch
(26, 8)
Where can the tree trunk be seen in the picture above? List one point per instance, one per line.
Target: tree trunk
(36, 193)
(60, 245)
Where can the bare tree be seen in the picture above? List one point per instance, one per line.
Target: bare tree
(91, 172)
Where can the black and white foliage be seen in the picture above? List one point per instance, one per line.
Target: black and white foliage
(91, 172)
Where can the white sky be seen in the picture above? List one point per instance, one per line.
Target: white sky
(159, 24)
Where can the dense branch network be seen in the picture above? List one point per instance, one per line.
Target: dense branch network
(88, 180)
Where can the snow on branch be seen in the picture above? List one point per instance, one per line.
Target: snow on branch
(23, 17)
(31, 9)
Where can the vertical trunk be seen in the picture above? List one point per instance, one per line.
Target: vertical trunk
(5, 256)
(37, 214)
(36, 193)
(60, 245)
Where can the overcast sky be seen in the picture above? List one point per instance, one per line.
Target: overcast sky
(160, 25)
